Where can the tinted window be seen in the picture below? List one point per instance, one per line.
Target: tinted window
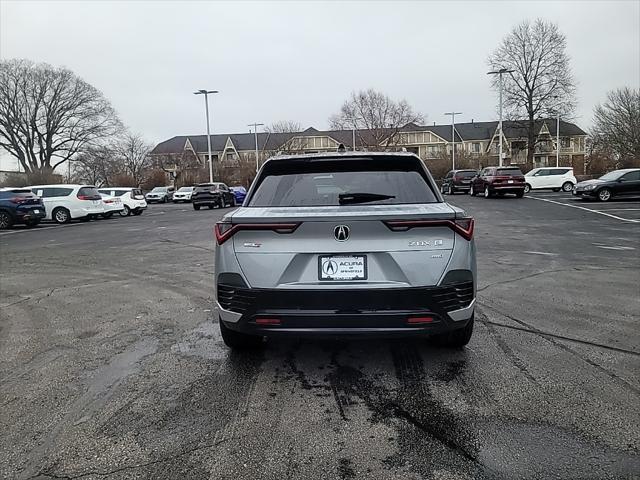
(631, 176)
(324, 182)
(136, 191)
(159, 189)
(56, 192)
(118, 193)
(608, 177)
(466, 174)
(512, 172)
(542, 173)
(559, 171)
(89, 193)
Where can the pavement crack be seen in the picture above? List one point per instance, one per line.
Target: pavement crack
(166, 240)
(517, 279)
(106, 473)
(552, 340)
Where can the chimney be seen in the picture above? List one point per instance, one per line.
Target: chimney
(434, 124)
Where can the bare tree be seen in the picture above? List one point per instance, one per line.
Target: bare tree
(616, 126)
(48, 114)
(376, 118)
(542, 84)
(134, 154)
(283, 126)
(97, 165)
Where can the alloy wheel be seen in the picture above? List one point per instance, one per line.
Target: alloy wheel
(5, 220)
(604, 194)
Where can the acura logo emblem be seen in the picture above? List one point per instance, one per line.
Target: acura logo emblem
(341, 232)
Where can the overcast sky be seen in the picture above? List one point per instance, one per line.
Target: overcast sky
(299, 61)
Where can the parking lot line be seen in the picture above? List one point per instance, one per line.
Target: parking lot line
(584, 208)
(40, 229)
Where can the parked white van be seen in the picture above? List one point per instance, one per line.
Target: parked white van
(132, 199)
(65, 202)
(552, 178)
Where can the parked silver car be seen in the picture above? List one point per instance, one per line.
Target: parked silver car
(345, 243)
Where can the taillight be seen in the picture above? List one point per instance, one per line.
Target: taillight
(463, 226)
(108, 201)
(224, 231)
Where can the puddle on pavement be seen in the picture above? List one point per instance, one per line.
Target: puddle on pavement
(204, 341)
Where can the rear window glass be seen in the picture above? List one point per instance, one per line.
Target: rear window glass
(514, 172)
(56, 192)
(89, 192)
(561, 171)
(466, 174)
(342, 183)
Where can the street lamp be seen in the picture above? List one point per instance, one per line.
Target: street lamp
(255, 130)
(499, 73)
(206, 106)
(453, 137)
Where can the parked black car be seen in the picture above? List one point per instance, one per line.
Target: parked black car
(212, 195)
(457, 181)
(619, 183)
(20, 205)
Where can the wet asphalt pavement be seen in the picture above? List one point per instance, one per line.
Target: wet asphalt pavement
(112, 366)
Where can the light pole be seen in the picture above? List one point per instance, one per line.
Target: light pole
(555, 97)
(353, 136)
(255, 130)
(206, 107)
(499, 73)
(453, 137)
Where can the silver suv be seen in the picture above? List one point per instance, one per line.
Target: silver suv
(345, 243)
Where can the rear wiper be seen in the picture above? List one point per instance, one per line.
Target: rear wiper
(350, 198)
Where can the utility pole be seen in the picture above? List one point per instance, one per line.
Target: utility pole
(558, 140)
(453, 137)
(255, 131)
(206, 107)
(353, 133)
(500, 73)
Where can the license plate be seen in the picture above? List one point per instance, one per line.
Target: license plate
(36, 211)
(509, 181)
(346, 267)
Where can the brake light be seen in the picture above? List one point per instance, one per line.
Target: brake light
(85, 197)
(462, 226)
(267, 321)
(224, 231)
(108, 201)
(419, 320)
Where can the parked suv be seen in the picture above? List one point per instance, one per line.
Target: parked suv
(498, 181)
(133, 201)
(345, 243)
(554, 178)
(183, 194)
(457, 181)
(160, 194)
(619, 183)
(65, 202)
(212, 195)
(20, 205)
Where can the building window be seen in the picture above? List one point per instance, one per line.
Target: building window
(475, 147)
(565, 142)
(231, 156)
(432, 150)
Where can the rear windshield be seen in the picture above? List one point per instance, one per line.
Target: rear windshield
(89, 192)
(159, 189)
(206, 188)
(513, 172)
(467, 174)
(331, 183)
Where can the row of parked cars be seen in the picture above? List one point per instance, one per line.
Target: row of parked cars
(62, 203)
(216, 194)
(491, 181)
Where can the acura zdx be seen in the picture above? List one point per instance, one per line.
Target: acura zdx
(345, 243)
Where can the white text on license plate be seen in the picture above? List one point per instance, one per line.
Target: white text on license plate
(509, 181)
(347, 267)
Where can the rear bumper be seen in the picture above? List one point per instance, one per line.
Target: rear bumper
(347, 312)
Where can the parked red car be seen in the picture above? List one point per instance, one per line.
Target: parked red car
(498, 181)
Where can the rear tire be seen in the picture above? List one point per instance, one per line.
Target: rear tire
(137, 212)
(106, 215)
(238, 341)
(520, 194)
(211, 207)
(604, 195)
(6, 220)
(457, 338)
(527, 188)
(472, 192)
(196, 207)
(32, 223)
(487, 192)
(567, 186)
(126, 212)
(61, 215)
